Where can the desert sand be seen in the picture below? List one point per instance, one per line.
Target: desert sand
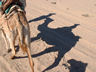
(63, 38)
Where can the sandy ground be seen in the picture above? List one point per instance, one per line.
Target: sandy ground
(63, 37)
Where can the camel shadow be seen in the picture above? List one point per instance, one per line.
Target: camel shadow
(62, 39)
(77, 66)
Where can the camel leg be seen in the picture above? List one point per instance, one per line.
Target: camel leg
(5, 39)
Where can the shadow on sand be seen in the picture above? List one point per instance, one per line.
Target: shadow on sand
(62, 39)
(77, 66)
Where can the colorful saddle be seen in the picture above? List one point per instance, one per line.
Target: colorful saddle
(8, 9)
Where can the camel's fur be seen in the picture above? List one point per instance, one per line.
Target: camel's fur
(16, 25)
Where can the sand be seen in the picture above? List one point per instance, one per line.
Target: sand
(63, 37)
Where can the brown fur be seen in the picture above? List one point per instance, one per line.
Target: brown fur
(14, 26)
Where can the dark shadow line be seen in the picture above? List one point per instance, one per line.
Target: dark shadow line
(41, 17)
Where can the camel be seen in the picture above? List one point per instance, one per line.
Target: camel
(15, 25)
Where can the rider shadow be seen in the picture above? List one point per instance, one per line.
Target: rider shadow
(62, 39)
(77, 66)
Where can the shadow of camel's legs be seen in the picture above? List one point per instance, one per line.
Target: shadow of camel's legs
(56, 62)
(48, 50)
